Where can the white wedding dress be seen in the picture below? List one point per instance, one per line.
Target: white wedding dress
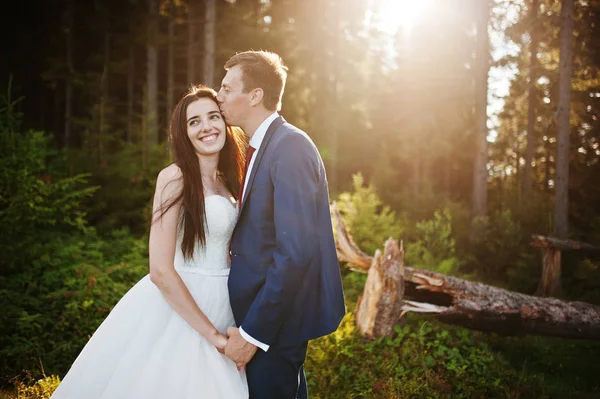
(145, 350)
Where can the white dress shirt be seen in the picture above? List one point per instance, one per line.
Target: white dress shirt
(256, 142)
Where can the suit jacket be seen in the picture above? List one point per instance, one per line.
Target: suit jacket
(284, 283)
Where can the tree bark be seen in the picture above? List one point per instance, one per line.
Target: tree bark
(191, 57)
(170, 65)
(480, 170)
(550, 282)
(531, 136)
(130, 93)
(561, 190)
(152, 75)
(469, 304)
(547, 165)
(486, 308)
(563, 245)
(69, 77)
(104, 91)
(518, 173)
(380, 306)
(333, 62)
(210, 23)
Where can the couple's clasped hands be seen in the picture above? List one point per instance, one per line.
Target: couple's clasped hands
(235, 347)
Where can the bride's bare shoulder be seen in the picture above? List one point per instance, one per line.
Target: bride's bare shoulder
(170, 173)
(170, 177)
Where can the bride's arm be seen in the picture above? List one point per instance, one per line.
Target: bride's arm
(163, 237)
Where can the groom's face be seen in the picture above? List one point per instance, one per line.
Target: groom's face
(233, 101)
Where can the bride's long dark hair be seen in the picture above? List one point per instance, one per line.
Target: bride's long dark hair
(230, 168)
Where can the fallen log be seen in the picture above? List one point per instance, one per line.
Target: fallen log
(470, 304)
(563, 245)
(549, 284)
(380, 306)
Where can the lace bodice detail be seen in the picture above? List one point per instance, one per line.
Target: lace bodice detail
(221, 216)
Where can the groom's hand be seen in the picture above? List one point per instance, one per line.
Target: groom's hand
(238, 349)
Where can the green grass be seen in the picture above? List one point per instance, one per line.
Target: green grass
(429, 359)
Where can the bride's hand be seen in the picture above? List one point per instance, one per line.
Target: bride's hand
(218, 340)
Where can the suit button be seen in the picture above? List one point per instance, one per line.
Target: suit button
(230, 253)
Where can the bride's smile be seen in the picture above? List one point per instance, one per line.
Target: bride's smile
(209, 138)
(205, 127)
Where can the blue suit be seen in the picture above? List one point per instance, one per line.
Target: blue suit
(284, 284)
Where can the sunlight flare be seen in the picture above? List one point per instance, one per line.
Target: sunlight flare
(400, 14)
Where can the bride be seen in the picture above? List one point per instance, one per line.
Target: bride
(164, 337)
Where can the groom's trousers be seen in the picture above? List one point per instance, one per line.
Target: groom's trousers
(278, 373)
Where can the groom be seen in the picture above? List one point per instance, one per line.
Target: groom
(284, 285)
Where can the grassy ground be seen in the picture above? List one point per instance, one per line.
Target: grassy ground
(428, 359)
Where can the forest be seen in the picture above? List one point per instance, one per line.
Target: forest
(466, 130)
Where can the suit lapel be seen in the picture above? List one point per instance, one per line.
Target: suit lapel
(263, 147)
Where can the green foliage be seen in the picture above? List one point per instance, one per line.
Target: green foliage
(423, 360)
(567, 368)
(57, 301)
(369, 221)
(37, 199)
(428, 359)
(58, 277)
(504, 250)
(40, 389)
(434, 246)
(429, 244)
(126, 186)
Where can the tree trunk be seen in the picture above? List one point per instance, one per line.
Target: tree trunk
(482, 307)
(332, 126)
(550, 282)
(452, 300)
(145, 133)
(561, 190)
(547, 166)
(481, 84)
(104, 92)
(380, 306)
(69, 77)
(531, 136)
(170, 65)
(518, 173)
(191, 56)
(152, 76)
(130, 93)
(210, 23)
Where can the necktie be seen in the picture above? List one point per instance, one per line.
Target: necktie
(248, 158)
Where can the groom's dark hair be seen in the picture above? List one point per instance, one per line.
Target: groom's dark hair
(264, 70)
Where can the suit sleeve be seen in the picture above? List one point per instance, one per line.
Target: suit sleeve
(295, 176)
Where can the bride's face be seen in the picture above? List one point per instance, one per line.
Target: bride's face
(205, 126)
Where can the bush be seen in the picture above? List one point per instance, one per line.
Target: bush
(125, 187)
(57, 301)
(37, 199)
(503, 256)
(428, 244)
(58, 278)
(369, 221)
(40, 389)
(433, 246)
(423, 360)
